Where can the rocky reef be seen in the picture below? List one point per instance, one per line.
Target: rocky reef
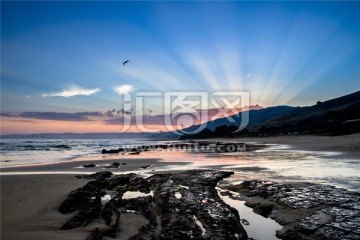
(192, 146)
(306, 211)
(177, 206)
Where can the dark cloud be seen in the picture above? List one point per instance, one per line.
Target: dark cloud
(116, 117)
(8, 114)
(153, 120)
(78, 116)
(125, 111)
(109, 113)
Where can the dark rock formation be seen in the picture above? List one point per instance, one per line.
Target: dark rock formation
(113, 165)
(95, 235)
(145, 167)
(103, 175)
(87, 213)
(177, 206)
(104, 151)
(307, 211)
(81, 197)
(62, 146)
(245, 222)
(90, 165)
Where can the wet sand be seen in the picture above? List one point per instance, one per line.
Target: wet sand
(29, 201)
(348, 145)
(31, 195)
(76, 167)
(29, 206)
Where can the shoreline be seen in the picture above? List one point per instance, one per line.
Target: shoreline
(76, 167)
(346, 146)
(30, 200)
(273, 162)
(30, 203)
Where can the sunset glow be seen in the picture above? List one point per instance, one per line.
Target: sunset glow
(67, 68)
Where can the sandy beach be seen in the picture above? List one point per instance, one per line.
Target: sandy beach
(31, 195)
(347, 145)
(29, 206)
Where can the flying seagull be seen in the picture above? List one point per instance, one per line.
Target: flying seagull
(126, 62)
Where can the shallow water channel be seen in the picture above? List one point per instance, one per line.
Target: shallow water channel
(259, 227)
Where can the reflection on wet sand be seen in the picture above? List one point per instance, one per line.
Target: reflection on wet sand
(275, 162)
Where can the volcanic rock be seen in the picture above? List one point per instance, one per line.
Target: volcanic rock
(113, 165)
(178, 206)
(90, 165)
(324, 212)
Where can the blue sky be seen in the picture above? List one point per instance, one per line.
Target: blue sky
(292, 53)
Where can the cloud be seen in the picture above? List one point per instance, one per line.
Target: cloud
(147, 120)
(61, 116)
(72, 91)
(176, 119)
(123, 89)
(8, 114)
(118, 117)
(125, 111)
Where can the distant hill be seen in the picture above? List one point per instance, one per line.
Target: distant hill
(131, 135)
(333, 117)
(330, 117)
(255, 117)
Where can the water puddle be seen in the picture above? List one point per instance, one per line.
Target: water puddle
(203, 230)
(178, 195)
(258, 227)
(106, 198)
(186, 187)
(136, 194)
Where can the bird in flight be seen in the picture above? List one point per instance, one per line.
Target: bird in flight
(126, 62)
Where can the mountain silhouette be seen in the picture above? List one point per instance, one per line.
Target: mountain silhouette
(337, 116)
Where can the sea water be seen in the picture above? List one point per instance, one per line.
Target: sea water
(20, 152)
(277, 162)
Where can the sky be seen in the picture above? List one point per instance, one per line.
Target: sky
(62, 62)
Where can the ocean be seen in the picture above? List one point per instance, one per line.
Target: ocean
(276, 162)
(21, 152)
